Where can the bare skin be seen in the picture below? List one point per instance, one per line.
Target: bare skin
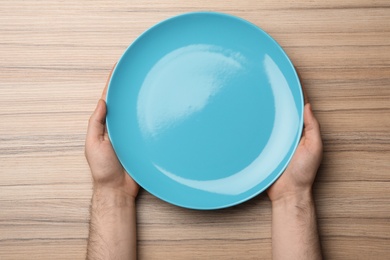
(294, 223)
(112, 233)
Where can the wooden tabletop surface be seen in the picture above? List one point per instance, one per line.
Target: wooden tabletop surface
(55, 57)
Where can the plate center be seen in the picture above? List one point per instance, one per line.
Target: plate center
(205, 112)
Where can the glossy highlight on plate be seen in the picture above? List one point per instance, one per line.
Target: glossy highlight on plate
(205, 110)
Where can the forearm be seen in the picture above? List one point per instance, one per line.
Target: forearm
(294, 228)
(112, 232)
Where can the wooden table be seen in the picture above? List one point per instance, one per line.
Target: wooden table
(55, 57)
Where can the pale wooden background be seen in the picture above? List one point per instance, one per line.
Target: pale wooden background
(54, 60)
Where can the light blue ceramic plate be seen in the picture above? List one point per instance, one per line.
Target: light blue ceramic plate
(205, 110)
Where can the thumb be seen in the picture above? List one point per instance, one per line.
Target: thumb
(312, 127)
(96, 125)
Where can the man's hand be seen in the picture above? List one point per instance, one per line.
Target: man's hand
(299, 176)
(107, 171)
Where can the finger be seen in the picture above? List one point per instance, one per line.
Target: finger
(97, 121)
(312, 127)
(104, 94)
(305, 97)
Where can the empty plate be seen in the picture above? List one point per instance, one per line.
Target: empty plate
(205, 110)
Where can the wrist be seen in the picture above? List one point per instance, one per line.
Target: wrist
(111, 197)
(296, 198)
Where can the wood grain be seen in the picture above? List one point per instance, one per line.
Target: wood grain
(55, 57)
